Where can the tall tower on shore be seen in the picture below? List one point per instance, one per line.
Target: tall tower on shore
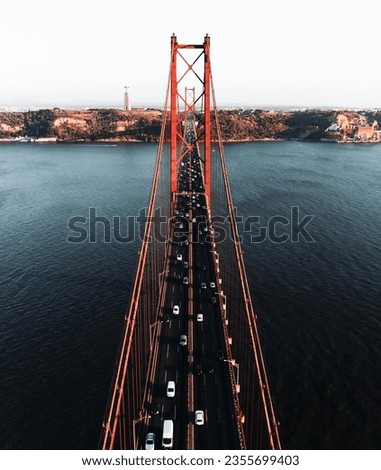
(127, 99)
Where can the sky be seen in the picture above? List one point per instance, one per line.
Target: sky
(265, 53)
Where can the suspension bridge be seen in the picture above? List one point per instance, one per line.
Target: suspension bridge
(190, 371)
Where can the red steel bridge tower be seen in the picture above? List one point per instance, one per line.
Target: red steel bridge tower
(181, 106)
(190, 371)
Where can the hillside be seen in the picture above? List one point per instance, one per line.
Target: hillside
(144, 125)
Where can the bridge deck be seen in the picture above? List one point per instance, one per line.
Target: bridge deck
(198, 368)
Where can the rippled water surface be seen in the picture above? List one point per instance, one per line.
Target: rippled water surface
(318, 303)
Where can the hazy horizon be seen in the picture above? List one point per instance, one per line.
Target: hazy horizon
(78, 105)
(274, 54)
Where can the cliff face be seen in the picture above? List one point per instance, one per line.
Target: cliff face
(145, 125)
(239, 125)
(82, 125)
(107, 124)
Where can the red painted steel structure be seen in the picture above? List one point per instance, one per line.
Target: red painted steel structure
(178, 100)
(183, 109)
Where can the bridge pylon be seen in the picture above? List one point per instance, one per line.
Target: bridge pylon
(188, 60)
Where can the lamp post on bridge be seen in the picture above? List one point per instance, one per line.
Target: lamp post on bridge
(216, 253)
(217, 257)
(162, 274)
(233, 363)
(150, 330)
(224, 297)
(136, 421)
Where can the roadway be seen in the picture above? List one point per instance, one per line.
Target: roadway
(198, 368)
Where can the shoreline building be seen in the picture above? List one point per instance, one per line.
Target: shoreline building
(353, 127)
(127, 99)
(369, 132)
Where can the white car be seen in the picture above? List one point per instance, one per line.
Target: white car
(171, 389)
(150, 441)
(176, 310)
(203, 285)
(199, 417)
(179, 257)
(200, 317)
(212, 285)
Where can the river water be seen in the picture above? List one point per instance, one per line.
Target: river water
(317, 297)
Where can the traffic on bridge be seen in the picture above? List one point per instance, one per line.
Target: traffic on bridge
(190, 371)
(188, 339)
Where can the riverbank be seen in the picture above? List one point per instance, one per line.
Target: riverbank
(144, 125)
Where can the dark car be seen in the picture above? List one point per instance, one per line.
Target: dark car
(209, 368)
(220, 355)
(198, 369)
(154, 409)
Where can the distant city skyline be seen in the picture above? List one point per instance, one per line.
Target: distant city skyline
(264, 54)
